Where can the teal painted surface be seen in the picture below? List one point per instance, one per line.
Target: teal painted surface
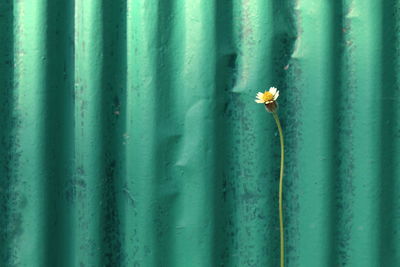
(130, 137)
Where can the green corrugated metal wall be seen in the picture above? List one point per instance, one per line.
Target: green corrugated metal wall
(130, 137)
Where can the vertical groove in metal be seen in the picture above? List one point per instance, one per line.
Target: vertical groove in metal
(193, 160)
(130, 136)
(113, 114)
(89, 149)
(314, 53)
(8, 219)
(365, 69)
(144, 134)
(389, 201)
(247, 188)
(29, 172)
(59, 130)
(287, 74)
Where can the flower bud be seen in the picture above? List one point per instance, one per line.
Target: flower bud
(272, 107)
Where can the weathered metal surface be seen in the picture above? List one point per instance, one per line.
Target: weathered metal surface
(130, 136)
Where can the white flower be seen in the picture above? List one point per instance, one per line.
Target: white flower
(267, 97)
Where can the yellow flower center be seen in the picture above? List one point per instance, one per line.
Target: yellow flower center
(267, 96)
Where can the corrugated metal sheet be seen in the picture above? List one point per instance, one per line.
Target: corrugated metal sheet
(129, 134)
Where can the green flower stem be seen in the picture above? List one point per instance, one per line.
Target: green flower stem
(278, 123)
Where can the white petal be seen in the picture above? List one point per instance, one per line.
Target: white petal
(276, 95)
(268, 102)
(272, 90)
(259, 101)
